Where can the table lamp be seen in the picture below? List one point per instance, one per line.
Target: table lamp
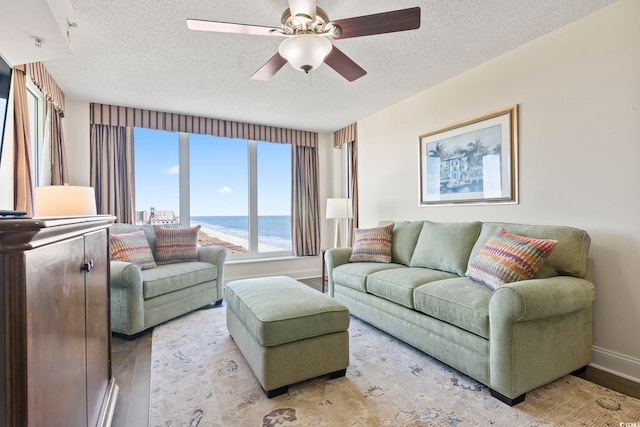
(64, 200)
(338, 209)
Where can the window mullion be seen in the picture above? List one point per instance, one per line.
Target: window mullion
(253, 197)
(184, 189)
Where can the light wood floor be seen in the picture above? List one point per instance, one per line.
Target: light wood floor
(132, 371)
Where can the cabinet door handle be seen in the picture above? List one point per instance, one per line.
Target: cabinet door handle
(87, 266)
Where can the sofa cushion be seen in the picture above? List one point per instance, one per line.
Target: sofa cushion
(445, 246)
(404, 238)
(508, 258)
(397, 285)
(569, 257)
(372, 244)
(354, 274)
(173, 277)
(460, 302)
(131, 247)
(264, 305)
(175, 245)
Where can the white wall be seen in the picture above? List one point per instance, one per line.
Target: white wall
(76, 136)
(76, 131)
(578, 90)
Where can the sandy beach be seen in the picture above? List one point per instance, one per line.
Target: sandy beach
(232, 244)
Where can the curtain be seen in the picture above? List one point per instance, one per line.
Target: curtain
(103, 114)
(23, 166)
(22, 176)
(43, 80)
(112, 171)
(56, 147)
(305, 217)
(349, 136)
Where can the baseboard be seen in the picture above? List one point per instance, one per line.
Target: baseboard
(616, 363)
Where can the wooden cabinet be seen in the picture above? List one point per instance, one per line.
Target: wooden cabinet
(55, 329)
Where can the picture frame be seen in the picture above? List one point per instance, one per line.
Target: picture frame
(471, 162)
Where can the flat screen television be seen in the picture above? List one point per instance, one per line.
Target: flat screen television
(5, 86)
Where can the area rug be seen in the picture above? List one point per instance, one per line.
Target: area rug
(200, 378)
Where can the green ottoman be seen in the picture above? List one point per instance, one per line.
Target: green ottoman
(287, 331)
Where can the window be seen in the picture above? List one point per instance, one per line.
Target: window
(274, 197)
(238, 191)
(36, 106)
(157, 176)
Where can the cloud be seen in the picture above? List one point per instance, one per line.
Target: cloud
(173, 170)
(224, 190)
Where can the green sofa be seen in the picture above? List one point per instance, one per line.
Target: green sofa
(141, 299)
(513, 339)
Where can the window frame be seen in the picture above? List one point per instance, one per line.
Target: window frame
(185, 198)
(40, 155)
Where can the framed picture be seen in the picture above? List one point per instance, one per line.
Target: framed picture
(471, 162)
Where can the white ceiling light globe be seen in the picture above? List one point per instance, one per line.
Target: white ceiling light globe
(305, 51)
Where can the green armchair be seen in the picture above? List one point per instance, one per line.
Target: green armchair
(141, 299)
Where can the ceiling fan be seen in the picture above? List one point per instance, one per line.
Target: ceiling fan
(307, 29)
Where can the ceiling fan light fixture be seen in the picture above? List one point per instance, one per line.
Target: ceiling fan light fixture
(305, 51)
(304, 10)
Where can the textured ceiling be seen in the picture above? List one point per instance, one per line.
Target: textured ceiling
(141, 54)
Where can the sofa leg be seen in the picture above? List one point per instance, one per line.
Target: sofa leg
(580, 371)
(509, 401)
(337, 374)
(213, 304)
(276, 391)
(131, 337)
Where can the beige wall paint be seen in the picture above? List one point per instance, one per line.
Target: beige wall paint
(76, 134)
(578, 91)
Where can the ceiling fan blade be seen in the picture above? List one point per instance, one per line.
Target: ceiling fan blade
(229, 27)
(271, 67)
(344, 65)
(379, 23)
(304, 8)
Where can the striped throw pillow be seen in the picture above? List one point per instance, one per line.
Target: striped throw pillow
(176, 244)
(372, 244)
(131, 247)
(507, 258)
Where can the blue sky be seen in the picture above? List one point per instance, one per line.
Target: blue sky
(218, 174)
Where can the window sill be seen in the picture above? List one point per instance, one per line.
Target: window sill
(251, 260)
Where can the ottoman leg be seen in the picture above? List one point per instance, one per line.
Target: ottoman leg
(282, 390)
(276, 391)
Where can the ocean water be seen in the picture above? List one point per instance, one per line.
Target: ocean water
(273, 230)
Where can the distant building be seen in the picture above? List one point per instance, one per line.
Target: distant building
(155, 217)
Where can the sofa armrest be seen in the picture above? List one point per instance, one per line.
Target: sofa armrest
(125, 275)
(216, 256)
(212, 255)
(333, 258)
(540, 330)
(540, 298)
(127, 301)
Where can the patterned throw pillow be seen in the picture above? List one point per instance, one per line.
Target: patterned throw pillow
(372, 244)
(176, 244)
(131, 247)
(507, 258)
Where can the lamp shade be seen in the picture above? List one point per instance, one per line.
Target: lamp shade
(339, 208)
(305, 51)
(64, 200)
